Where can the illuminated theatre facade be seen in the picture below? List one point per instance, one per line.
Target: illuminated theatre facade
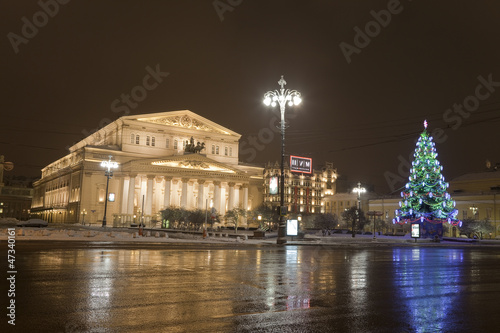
(161, 164)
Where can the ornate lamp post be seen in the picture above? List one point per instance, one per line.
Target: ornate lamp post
(282, 97)
(108, 173)
(357, 190)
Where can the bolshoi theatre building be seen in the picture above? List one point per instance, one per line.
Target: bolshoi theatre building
(164, 159)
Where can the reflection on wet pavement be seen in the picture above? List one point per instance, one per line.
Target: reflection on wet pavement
(428, 291)
(124, 288)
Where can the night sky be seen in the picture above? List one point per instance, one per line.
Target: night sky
(365, 95)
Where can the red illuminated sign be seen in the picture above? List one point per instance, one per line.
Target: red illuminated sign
(300, 164)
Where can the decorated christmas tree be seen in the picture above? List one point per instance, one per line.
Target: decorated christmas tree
(425, 199)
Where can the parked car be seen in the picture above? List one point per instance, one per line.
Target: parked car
(33, 223)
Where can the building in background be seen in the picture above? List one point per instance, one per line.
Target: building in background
(176, 158)
(15, 193)
(476, 195)
(304, 193)
(15, 202)
(338, 203)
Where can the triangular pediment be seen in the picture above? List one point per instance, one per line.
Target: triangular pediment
(183, 119)
(193, 162)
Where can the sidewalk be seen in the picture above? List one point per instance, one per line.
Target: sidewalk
(78, 232)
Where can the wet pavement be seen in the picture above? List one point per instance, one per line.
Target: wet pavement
(112, 287)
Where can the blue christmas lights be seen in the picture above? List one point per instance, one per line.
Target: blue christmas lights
(425, 184)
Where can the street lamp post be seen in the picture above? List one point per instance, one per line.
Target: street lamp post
(358, 190)
(374, 214)
(374, 236)
(84, 212)
(474, 210)
(299, 221)
(108, 173)
(282, 97)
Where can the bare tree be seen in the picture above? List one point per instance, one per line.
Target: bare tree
(476, 228)
(326, 221)
(351, 215)
(234, 215)
(266, 213)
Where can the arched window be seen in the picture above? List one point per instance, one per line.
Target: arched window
(132, 138)
(176, 143)
(167, 143)
(147, 140)
(153, 141)
(137, 139)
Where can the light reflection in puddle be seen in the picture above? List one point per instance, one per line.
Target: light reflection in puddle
(428, 282)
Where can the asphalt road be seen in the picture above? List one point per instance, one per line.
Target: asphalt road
(107, 287)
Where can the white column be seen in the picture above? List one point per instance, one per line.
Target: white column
(245, 196)
(143, 182)
(174, 197)
(125, 189)
(131, 194)
(201, 197)
(217, 196)
(230, 204)
(224, 194)
(166, 194)
(158, 199)
(245, 201)
(191, 200)
(184, 192)
(149, 195)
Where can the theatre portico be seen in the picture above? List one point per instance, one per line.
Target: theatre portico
(164, 159)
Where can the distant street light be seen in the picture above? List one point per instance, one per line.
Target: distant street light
(374, 214)
(282, 97)
(84, 212)
(109, 173)
(358, 190)
(474, 210)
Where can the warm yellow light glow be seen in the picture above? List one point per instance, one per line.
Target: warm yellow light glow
(193, 165)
